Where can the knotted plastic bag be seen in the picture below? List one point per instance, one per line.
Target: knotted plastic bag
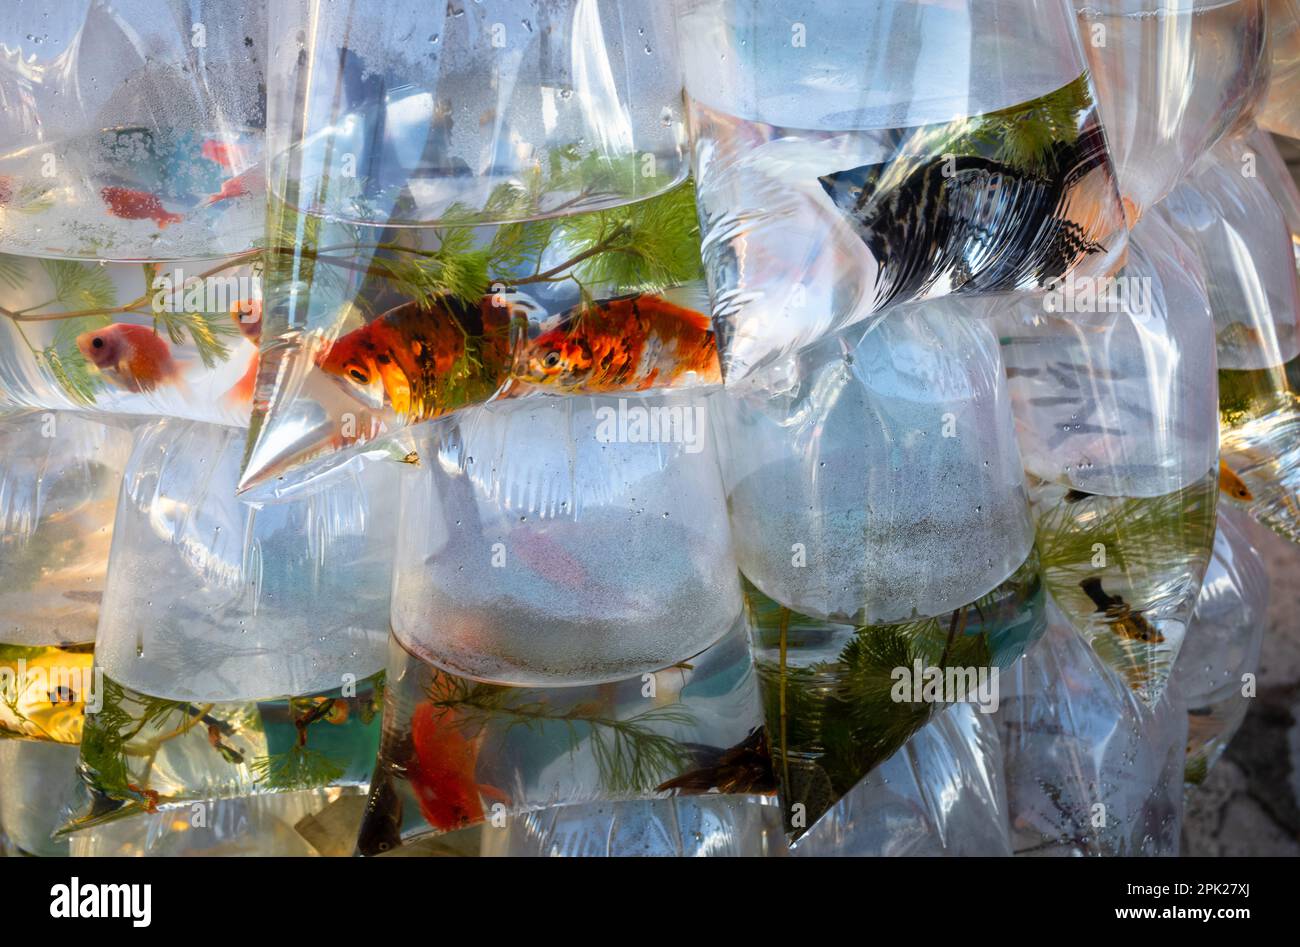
(1115, 407)
(241, 648)
(942, 793)
(879, 512)
(1232, 217)
(956, 150)
(1090, 770)
(59, 479)
(1173, 77)
(1214, 674)
(495, 202)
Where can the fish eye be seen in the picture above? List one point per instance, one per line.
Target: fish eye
(358, 375)
(97, 342)
(855, 191)
(552, 359)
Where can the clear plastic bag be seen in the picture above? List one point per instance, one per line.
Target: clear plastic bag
(1090, 770)
(496, 201)
(131, 130)
(241, 648)
(1173, 77)
(848, 159)
(878, 507)
(1229, 213)
(38, 780)
(59, 480)
(1223, 645)
(1280, 112)
(941, 794)
(1115, 408)
(463, 761)
(148, 339)
(568, 540)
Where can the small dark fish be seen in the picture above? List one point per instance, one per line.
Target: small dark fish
(92, 597)
(381, 827)
(1123, 619)
(1074, 496)
(744, 768)
(62, 695)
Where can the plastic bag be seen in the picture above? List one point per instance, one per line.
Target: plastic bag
(59, 480)
(817, 196)
(493, 202)
(941, 794)
(1115, 408)
(147, 339)
(565, 540)
(1090, 770)
(879, 513)
(133, 130)
(1280, 112)
(463, 760)
(133, 133)
(1231, 217)
(1173, 77)
(1221, 653)
(38, 780)
(241, 648)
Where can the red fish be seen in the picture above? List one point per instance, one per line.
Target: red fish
(133, 357)
(442, 770)
(227, 154)
(630, 343)
(247, 183)
(137, 205)
(426, 360)
(242, 391)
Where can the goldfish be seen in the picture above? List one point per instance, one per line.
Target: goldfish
(442, 770)
(227, 154)
(426, 359)
(242, 391)
(133, 357)
(247, 315)
(249, 182)
(137, 205)
(1233, 485)
(629, 343)
(1123, 619)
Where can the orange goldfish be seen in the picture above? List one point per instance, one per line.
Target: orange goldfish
(227, 154)
(630, 343)
(137, 205)
(442, 768)
(242, 391)
(133, 357)
(249, 182)
(247, 315)
(1233, 485)
(427, 360)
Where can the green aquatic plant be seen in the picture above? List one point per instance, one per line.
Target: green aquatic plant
(631, 753)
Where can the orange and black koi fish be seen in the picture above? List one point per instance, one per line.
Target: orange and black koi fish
(629, 343)
(426, 360)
